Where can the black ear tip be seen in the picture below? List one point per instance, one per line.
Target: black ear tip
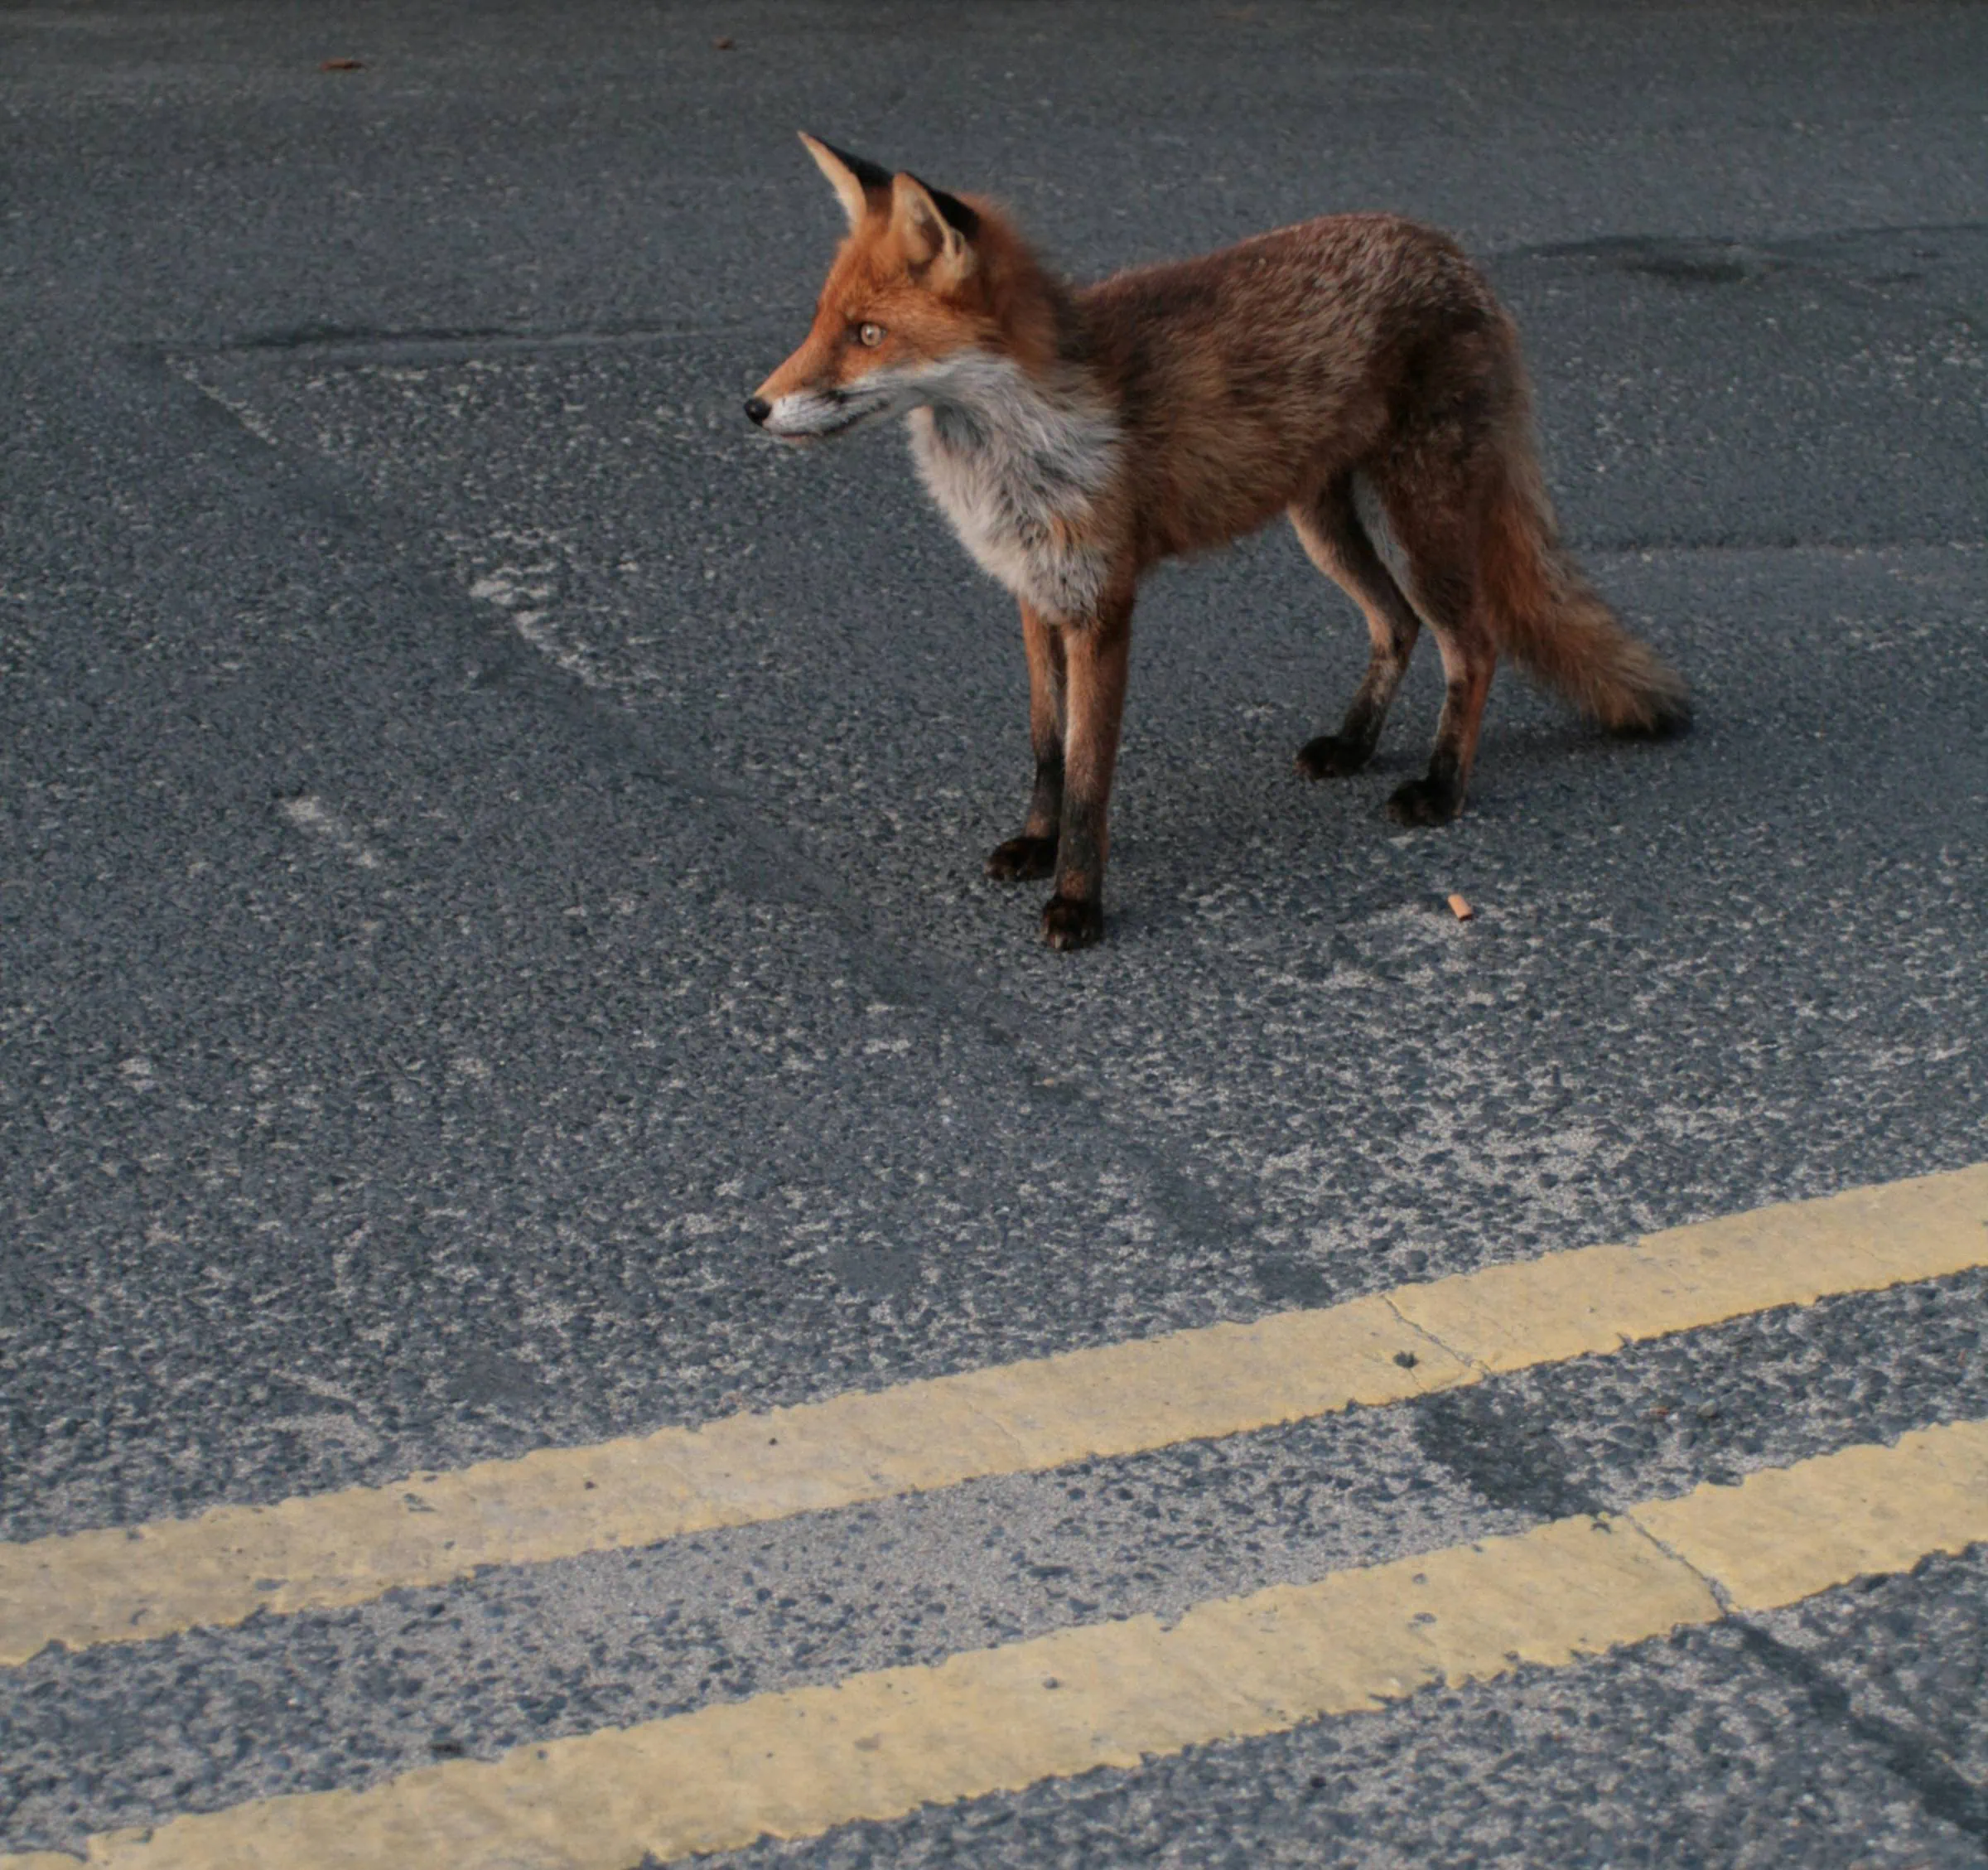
(957, 215)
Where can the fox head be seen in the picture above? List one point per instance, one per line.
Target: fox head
(912, 293)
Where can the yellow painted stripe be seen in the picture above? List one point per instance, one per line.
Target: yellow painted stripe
(1595, 1298)
(320, 1551)
(1785, 1533)
(880, 1744)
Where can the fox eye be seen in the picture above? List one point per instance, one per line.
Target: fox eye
(870, 337)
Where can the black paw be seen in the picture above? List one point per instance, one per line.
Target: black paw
(1021, 858)
(1425, 802)
(1332, 756)
(1069, 923)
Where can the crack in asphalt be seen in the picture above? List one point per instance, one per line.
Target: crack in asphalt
(1686, 260)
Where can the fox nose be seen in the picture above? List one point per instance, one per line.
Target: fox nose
(758, 408)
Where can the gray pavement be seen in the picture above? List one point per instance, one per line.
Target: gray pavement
(495, 952)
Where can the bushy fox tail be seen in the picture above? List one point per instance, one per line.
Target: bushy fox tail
(1554, 626)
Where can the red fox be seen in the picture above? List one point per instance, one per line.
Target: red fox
(1074, 438)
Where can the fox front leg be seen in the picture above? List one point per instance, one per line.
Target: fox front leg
(1034, 852)
(1095, 655)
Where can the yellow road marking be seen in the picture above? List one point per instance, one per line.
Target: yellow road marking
(880, 1744)
(1595, 1298)
(1785, 1533)
(320, 1551)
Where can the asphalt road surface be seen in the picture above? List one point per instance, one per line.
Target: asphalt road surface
(495, 956)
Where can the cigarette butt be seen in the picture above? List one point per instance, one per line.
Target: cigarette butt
(1461, 909)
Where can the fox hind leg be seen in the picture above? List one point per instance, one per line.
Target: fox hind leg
(1329, 527)
(1033, 854)
(1436, 520)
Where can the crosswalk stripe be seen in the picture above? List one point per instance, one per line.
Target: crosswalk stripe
(326, 1550)
(879, 1744)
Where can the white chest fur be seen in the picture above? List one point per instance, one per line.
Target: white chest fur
(1019, 474)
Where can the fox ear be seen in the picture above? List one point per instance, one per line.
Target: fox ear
(935, 229)
(855, 182)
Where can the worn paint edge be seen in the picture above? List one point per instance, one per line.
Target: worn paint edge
(879, 1744)
(324, 1551)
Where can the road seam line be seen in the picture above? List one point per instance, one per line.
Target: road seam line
(325, 1551)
